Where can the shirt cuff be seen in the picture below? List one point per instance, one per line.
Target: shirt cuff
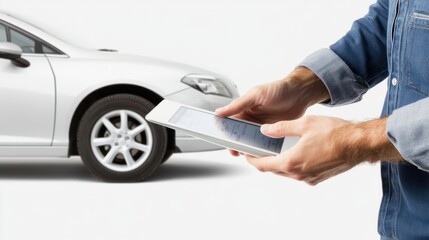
(408, 130)
(343, 85)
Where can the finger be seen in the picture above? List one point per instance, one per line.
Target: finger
(283, 128)
(233, 153)
(297, 177)
(247, 117)
(264, 164)
(237, 106)
(328, 174)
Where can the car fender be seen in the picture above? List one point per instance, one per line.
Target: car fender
(72, 89)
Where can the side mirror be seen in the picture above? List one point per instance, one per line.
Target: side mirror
(13, 52)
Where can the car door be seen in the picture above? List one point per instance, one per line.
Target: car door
(27, 95)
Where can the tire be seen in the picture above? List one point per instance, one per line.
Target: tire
(167, 155)
(118, 152)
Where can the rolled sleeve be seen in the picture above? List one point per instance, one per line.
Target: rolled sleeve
(344, 87)
(408, 130)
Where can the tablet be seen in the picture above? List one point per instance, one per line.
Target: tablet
(242, 136)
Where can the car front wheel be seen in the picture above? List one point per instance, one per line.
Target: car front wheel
(115, 141)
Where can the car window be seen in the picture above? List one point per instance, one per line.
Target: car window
(27, 44)
(48, 50)
(3, 35)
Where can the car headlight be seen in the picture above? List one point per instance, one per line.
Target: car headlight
(206, 84)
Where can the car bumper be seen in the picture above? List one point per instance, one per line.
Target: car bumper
(186, 143)
(192, 97)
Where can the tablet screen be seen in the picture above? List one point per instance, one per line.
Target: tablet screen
(231, 129)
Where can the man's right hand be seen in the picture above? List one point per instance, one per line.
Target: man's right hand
(285, 99)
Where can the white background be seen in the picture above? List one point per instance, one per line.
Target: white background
(203, 195)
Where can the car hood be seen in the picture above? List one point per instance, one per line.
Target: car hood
(166, 74)
(114, 55)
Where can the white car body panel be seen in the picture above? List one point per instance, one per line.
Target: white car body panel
(94, 74)
(33, 152)
(27, 103)
(38, 103)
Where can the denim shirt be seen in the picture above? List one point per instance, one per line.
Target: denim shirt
(391, 42)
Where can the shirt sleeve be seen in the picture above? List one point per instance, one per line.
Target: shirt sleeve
(356, 62)
(343, 85)
(364, 47)
(408, 130)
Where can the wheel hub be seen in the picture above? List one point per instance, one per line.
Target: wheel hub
(121, 140)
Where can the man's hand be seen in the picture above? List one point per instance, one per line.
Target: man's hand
(328, 147)
(285, 99)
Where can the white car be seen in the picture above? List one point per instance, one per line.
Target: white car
(57, 100)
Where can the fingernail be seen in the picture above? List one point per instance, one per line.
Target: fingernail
(265, 128)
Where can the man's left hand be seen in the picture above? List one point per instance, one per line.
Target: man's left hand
(328, 146)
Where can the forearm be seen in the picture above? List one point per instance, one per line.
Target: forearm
(365, 142)
(307, 85)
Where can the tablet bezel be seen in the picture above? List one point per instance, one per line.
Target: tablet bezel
(165, 110)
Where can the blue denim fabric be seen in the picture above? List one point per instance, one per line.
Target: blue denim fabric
(391, 41)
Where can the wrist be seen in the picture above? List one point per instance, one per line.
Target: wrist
(307, 85)
(368, 142)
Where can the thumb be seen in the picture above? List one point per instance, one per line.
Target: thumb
(282, 129)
